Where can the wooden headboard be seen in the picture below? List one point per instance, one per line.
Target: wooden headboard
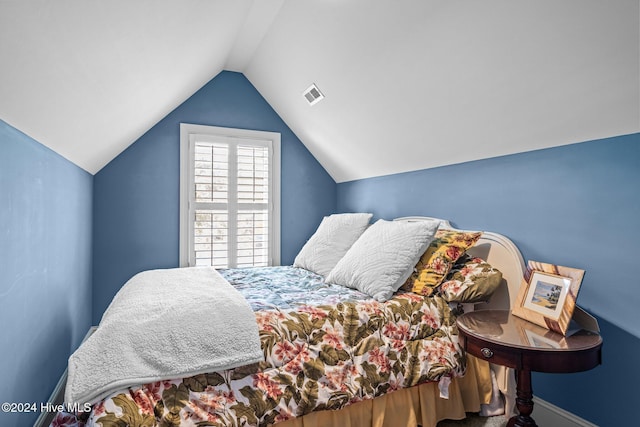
(502, 254)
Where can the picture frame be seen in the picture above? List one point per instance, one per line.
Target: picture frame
(548, 294)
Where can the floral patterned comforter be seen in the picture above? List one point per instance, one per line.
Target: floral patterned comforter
(324, 347)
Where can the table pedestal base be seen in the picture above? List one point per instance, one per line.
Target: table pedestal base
(524, 401)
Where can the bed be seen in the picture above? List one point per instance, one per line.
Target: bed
(333, 350)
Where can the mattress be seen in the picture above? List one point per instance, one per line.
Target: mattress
(325, 347)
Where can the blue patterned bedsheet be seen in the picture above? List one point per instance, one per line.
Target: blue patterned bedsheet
(287, 287)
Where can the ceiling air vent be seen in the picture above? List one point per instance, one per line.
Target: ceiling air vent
(313, 94)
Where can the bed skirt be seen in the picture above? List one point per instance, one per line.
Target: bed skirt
(419, 405)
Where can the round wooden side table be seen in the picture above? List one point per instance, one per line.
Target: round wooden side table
(504, 339)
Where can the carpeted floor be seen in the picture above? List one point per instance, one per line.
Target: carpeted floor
(473, 420)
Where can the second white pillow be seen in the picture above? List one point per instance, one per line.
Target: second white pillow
(384, 256)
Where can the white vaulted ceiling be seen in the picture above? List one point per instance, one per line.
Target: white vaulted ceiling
(408, 84)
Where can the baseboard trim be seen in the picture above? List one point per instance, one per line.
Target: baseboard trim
(546, 413)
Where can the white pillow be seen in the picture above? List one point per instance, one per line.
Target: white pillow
(383, 257)
(333, 238)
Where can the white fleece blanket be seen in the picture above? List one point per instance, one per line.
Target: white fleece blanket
(164, 324)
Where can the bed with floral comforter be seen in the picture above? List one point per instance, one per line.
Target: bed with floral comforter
(325, 347)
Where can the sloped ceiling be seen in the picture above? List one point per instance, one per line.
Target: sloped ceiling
(89, 77)
(408, 84)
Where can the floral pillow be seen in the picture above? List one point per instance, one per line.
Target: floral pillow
(471, 280)
(437, 261)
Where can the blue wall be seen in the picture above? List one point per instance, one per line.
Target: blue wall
(136, 196)
(45, 268)
(576, 205)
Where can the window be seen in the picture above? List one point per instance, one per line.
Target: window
(229, 197)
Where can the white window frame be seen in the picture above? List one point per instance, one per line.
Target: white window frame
(187, 133)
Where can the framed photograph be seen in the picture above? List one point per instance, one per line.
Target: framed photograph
(548, 295)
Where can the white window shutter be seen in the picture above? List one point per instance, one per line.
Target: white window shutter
(232, 188)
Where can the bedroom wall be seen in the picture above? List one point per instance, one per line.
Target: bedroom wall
(136, 208)
(575, 205)
(45, 268)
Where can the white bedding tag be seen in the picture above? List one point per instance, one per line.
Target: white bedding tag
(443, 385)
